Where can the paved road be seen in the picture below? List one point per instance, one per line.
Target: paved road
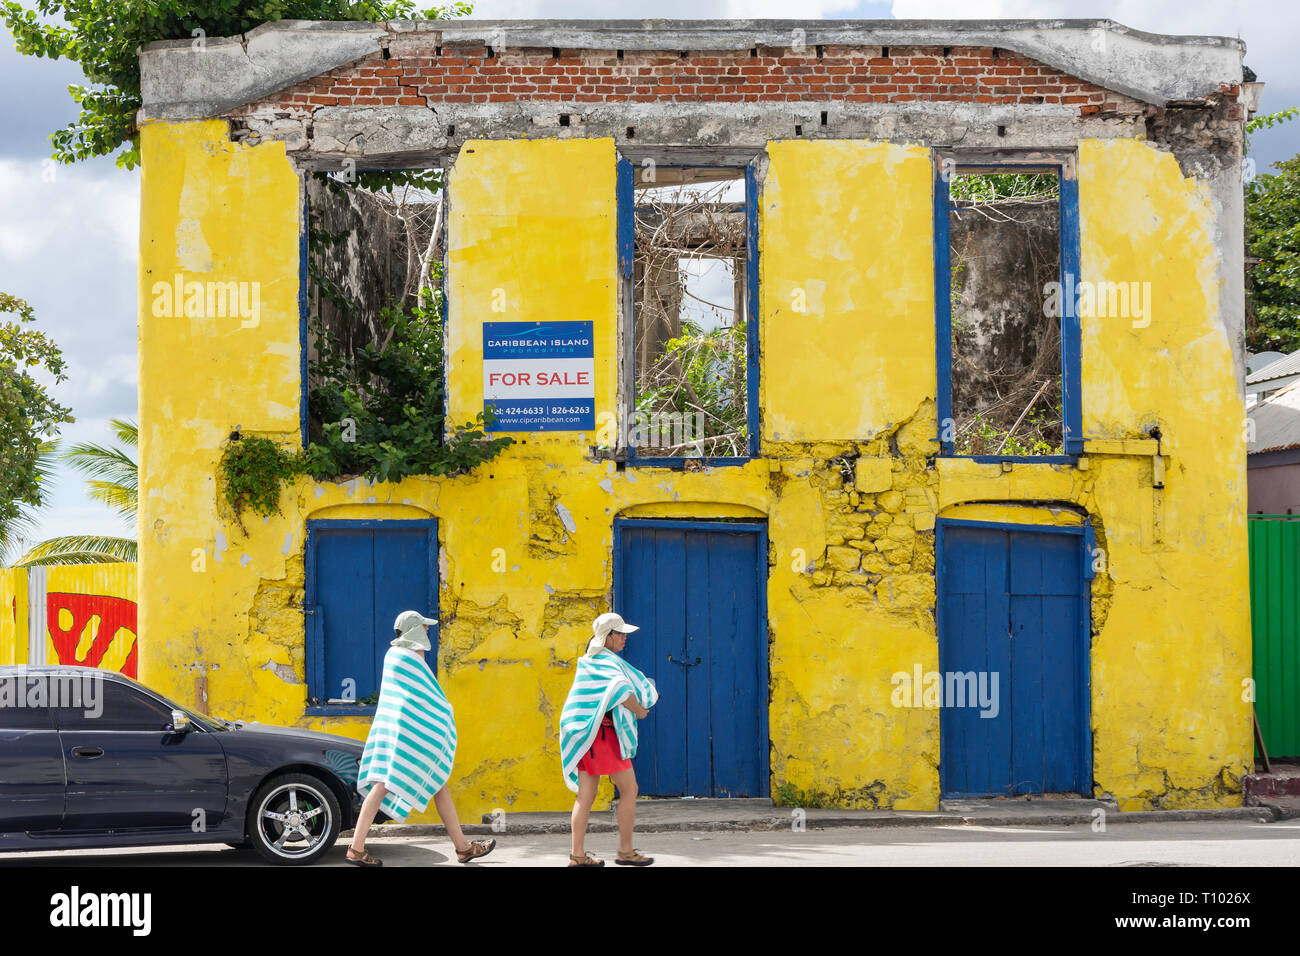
(1130, 844)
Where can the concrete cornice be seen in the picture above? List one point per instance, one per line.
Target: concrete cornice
(183, 79)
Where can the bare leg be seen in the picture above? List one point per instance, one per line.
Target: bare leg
(625, 780)
(369, 808)
(582, 809)
(446, 808)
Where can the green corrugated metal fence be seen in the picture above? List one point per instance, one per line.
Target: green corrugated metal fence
(1275, 628)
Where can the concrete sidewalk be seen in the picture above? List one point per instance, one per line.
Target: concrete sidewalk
(759, 814)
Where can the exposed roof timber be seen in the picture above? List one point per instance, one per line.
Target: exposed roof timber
(182, 80)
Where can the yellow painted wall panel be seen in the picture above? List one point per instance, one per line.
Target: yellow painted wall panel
(847, 272)
(13, 615)
(531, 238)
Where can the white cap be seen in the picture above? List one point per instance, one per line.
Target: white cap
(409, 619)
(601, 628)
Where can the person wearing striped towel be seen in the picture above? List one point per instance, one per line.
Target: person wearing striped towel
(598, 735)
(412, 742)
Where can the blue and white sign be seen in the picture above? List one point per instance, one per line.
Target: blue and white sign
(539, 377)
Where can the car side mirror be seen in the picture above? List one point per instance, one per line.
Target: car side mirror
(180, 722)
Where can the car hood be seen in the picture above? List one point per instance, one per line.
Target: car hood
(296, 733)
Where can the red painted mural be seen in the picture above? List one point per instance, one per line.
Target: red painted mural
(114, 613)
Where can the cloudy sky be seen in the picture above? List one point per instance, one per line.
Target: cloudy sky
(68, 235)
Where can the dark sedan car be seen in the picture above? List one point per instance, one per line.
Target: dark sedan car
(90, 758)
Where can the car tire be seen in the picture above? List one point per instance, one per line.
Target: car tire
(301, 803)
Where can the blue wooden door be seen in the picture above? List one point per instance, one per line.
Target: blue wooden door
(696, 590)
(363, 575)
(1013, 603)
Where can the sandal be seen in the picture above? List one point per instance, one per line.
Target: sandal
(364, 859)
(477, 849)
(585, 860)
(636, 859)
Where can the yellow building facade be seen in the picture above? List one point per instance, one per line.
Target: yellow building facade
(849, 483)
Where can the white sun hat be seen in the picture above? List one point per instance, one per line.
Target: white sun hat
(410, 627)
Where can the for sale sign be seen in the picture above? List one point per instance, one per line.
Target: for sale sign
(539, 376)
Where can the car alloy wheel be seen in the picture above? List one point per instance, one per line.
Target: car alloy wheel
(294, 819)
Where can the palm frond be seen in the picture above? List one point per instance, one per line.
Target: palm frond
(100, 461)
(112, 475)
(79, 549)
(128, 433)
(120, 498)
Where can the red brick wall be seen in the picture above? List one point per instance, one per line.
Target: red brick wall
(428, 76)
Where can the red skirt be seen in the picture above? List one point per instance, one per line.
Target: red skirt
(604, 757)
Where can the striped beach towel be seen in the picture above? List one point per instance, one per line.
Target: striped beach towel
(412, 741)
(600, 682)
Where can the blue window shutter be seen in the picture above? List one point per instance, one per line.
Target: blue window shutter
(626, 218)
(942, 307)
(1071, 334)
(751, 306)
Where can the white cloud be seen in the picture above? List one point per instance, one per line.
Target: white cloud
(50, 209)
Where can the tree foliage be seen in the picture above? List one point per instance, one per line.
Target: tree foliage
(28, 415)
(1273, 237)
(103, 37)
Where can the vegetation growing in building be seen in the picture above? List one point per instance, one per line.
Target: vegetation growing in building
(252, 471)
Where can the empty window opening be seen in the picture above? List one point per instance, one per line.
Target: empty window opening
(1005, 242)
(374, 304)
(690, 329)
